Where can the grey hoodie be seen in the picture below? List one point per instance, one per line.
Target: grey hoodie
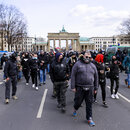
(84, 75)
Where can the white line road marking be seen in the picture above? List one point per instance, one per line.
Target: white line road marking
(121, 96)
(39, 114)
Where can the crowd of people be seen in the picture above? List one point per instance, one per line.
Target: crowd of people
(85, 72)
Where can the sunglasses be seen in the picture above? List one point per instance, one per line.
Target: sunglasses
(88, 57)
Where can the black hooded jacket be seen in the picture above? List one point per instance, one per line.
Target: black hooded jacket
(59, 71)
(10, 68)
(25, 63)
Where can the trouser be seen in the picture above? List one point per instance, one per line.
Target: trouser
(61, 88)
(103, 90)
(128, 79)
(12, 80)
(112, 85)
(42, 76)
(19, 75)
(34, 77)
(54, 90)
(81, 95)
(48, 68)
(26, 75)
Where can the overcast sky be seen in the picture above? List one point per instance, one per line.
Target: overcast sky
(88, 17)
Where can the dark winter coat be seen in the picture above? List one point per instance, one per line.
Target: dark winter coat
(10, 68)
(59, 71)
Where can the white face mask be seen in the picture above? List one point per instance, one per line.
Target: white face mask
(34, 58)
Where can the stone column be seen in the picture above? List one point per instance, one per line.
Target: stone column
(54, 45)
(45, 48)
(48, 45)
(78, 48)
(60, 43)
(67, 48)
(83, 47)
(72, 44)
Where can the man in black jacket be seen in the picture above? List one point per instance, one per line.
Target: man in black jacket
(26, 67)
(43, 61)
(114, 72)
(11, 71)
(59, 72)
(34, 70)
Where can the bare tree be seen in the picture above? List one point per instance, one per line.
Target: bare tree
(125, 27)
(13, 24)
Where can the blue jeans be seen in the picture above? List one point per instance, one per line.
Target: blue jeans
(128, 79)
(48, 68)
(42, 76)
(19, 74)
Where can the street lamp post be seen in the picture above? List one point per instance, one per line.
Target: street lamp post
(35, 44)
(113, 40)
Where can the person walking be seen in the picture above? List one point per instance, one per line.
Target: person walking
(25, 67)
(59, 73)
(11, 72)
(126, 65)
(114, 72)
(101, 68)
(34, 70)
(43, 61)
(84, 82)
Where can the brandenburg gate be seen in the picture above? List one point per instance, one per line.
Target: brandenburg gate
(63, 35)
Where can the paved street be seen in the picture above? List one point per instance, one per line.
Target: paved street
(22, 114)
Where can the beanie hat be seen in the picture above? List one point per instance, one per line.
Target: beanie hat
(57, 55)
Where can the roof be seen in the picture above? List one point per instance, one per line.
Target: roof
(84, 39)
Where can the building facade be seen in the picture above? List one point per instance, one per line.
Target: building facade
(86, 44)
(64, 35)
(104, 42)
(123, 40)
(39, 44)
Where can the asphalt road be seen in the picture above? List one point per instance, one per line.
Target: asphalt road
(22, 114)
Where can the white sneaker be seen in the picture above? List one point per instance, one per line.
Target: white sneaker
(27, 84)
(113, 96)
(116, 96)
(33, 86)
(36, 88)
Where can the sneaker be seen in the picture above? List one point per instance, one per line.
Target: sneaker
(33, 86)
(63, 110)
(27, 84)
(116, 96)
(14, 97)
(40, 84)
(44, 83)
(74, 114)
(91, 122)
(95, 101)
(105, 104)
(7, 101)
(113, 96)
(59, 106)
(53, 96)
(36, 88)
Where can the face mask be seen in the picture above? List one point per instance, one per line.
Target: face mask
(35, 58)
(86, 60)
